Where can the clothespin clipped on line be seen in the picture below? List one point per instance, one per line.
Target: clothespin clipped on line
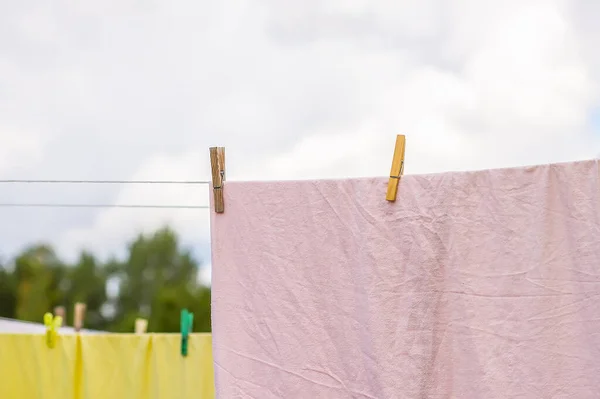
(217, 166)
(187, 320)
(60, 311)
(79, 316)
(52, 323)
(141, 325)
(397, 168)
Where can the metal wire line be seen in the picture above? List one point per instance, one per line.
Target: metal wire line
(59, 205)
(51, 205)
(105, 181)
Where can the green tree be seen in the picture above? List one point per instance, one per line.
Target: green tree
(86, 282)
(167, 306)
(36, 271)
(8, 294)
(158, 279)
(201, 309)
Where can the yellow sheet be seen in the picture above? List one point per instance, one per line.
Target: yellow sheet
(108, 366)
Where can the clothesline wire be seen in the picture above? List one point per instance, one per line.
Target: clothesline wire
(139, 206)
(29, 181)
(64, 181)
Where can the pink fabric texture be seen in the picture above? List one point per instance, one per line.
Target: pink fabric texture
(471, 285)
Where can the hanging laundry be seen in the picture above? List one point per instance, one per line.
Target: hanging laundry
(106, 366)
(470, 285)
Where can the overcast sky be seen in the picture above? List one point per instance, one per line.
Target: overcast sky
(139, 89)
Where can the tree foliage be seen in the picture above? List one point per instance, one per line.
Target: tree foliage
(156, 279)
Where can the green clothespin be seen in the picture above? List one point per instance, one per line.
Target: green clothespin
(52, 324)
(187, 320)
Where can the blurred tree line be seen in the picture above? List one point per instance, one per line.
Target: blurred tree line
(156, 280)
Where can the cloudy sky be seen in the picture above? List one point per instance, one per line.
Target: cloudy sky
(139, 89)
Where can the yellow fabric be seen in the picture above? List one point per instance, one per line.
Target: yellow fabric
(108, 366)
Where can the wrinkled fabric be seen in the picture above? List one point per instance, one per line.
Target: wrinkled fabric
(471, 285)
(111, 366)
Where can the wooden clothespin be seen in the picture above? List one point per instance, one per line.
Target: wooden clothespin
(217, 166)
(79, 316)
(187, 321)
(141, 325)
(60, 311)
(52, 323)
(397, 168)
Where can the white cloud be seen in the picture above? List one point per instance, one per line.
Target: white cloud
(297, 90)
(18, 149)
(112, 228)
(205, 275)
(528, 73)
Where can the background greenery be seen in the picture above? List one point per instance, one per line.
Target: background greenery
(157, 278)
